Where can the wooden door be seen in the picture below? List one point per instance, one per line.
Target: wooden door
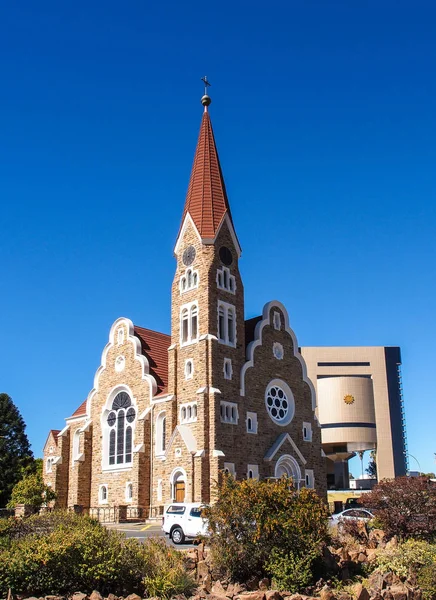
(180, 491)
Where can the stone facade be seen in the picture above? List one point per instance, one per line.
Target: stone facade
(167, 415)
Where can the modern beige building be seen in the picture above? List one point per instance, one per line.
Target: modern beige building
(360, 407)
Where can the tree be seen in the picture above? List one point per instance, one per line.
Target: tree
(405, 506)
(31, 490)
(15, 452)
(371, 469)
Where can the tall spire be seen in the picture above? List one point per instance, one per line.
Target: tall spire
(206, 200)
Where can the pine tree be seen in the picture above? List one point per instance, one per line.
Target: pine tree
(15, 452)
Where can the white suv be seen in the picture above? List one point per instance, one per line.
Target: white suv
(183, 520)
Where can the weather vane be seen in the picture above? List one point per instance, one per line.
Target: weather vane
(206, 84)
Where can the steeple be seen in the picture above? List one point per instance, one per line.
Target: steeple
(206, 199)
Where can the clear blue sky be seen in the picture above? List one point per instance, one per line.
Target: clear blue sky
(324, 115)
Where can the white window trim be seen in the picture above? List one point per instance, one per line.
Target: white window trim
(158, 445)
(253, 417)
(254, 470)
(290, 398)
(49, 464)
(277, 321)
(308, 436)
(100, 499)
(230, 405)
(189, 307)
(230, 468)
(226, 309)
(192, 406)
(230, 278)
(278, 351)
(184, 277)
(127, 498)
(120, 336)
(106, 467)
(76, 445)
(228, 373)
(309, 479)
(191, 375)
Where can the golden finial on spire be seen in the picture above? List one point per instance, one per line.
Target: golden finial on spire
(205, 99)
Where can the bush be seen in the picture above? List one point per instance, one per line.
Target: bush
(427, 581)
(31, 490)
(406, 558)
(62, 553)
(405, 507)
(289, 571)
(258, 527)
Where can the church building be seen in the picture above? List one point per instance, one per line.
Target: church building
(168, 413)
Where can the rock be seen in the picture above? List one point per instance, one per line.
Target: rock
(399, 592)
(393, 542)
(386, 595)
(362, 558)
(230, 591)
(133, 597)
(273, 595)
(200, 551)
(390, 579)
(264, 584)
(259, 595)
(237, 589)
(253, 583)
(360, 592)
(376, 581)
(207, 583)
(202, 570)
(354, 555)
(218, 589)
(80, 596)
(54, 597)
(371, 554)
(95, 596)
(326, 593)
(111, 597)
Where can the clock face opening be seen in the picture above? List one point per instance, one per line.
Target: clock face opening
(226, 256)
(188, 256)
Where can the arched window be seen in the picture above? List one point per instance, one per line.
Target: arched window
(189, 278)
(288, 466)
(120, 422)
(189, 323)
(160, 440)
(226, 323)
(189, 369)
(102, 494)
(194, 322)
(185, 325)
(76, 444)
(120, 336)
(231, 325)
(129, 492)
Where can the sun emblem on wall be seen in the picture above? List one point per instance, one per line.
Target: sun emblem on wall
(348, 399)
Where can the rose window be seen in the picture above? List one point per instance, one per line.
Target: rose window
(279, 403)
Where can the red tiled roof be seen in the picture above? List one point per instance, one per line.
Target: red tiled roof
(80, 411)
(55, 433)
(206, 200)
(155, 347)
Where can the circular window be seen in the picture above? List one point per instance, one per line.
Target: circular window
(226, 256)
(130, 416)
(279, 402)
(112, 417)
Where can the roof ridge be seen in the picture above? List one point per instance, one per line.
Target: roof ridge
(151, 330)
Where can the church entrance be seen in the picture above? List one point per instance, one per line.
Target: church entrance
(179, 491)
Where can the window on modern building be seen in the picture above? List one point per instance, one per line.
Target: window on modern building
(229, 468)
(229, 412)
(159, 490)
(189, 368)
(343, 364)
(189, 280)
(252, 472)
(226, 323)
(120, 336)
(307, 432)
(309, 478)
(160, 440)
(189, 323)
(225, 280)
(120, 422)
(129, 492)
(277, 320)
(103, 494)
(228, 369)
(188, 412)
(251, 422)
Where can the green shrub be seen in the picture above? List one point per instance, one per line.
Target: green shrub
(252, 518)
(62, 553)
(166, 575)
(407, 557)
(290, 571)
(427, 581)
(31, 490)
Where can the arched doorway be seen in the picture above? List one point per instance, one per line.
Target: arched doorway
(287, 465)
(178, 485)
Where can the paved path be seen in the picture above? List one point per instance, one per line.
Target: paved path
(143, 530)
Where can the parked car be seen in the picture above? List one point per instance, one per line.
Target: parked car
(183, 521)
(351, 514)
